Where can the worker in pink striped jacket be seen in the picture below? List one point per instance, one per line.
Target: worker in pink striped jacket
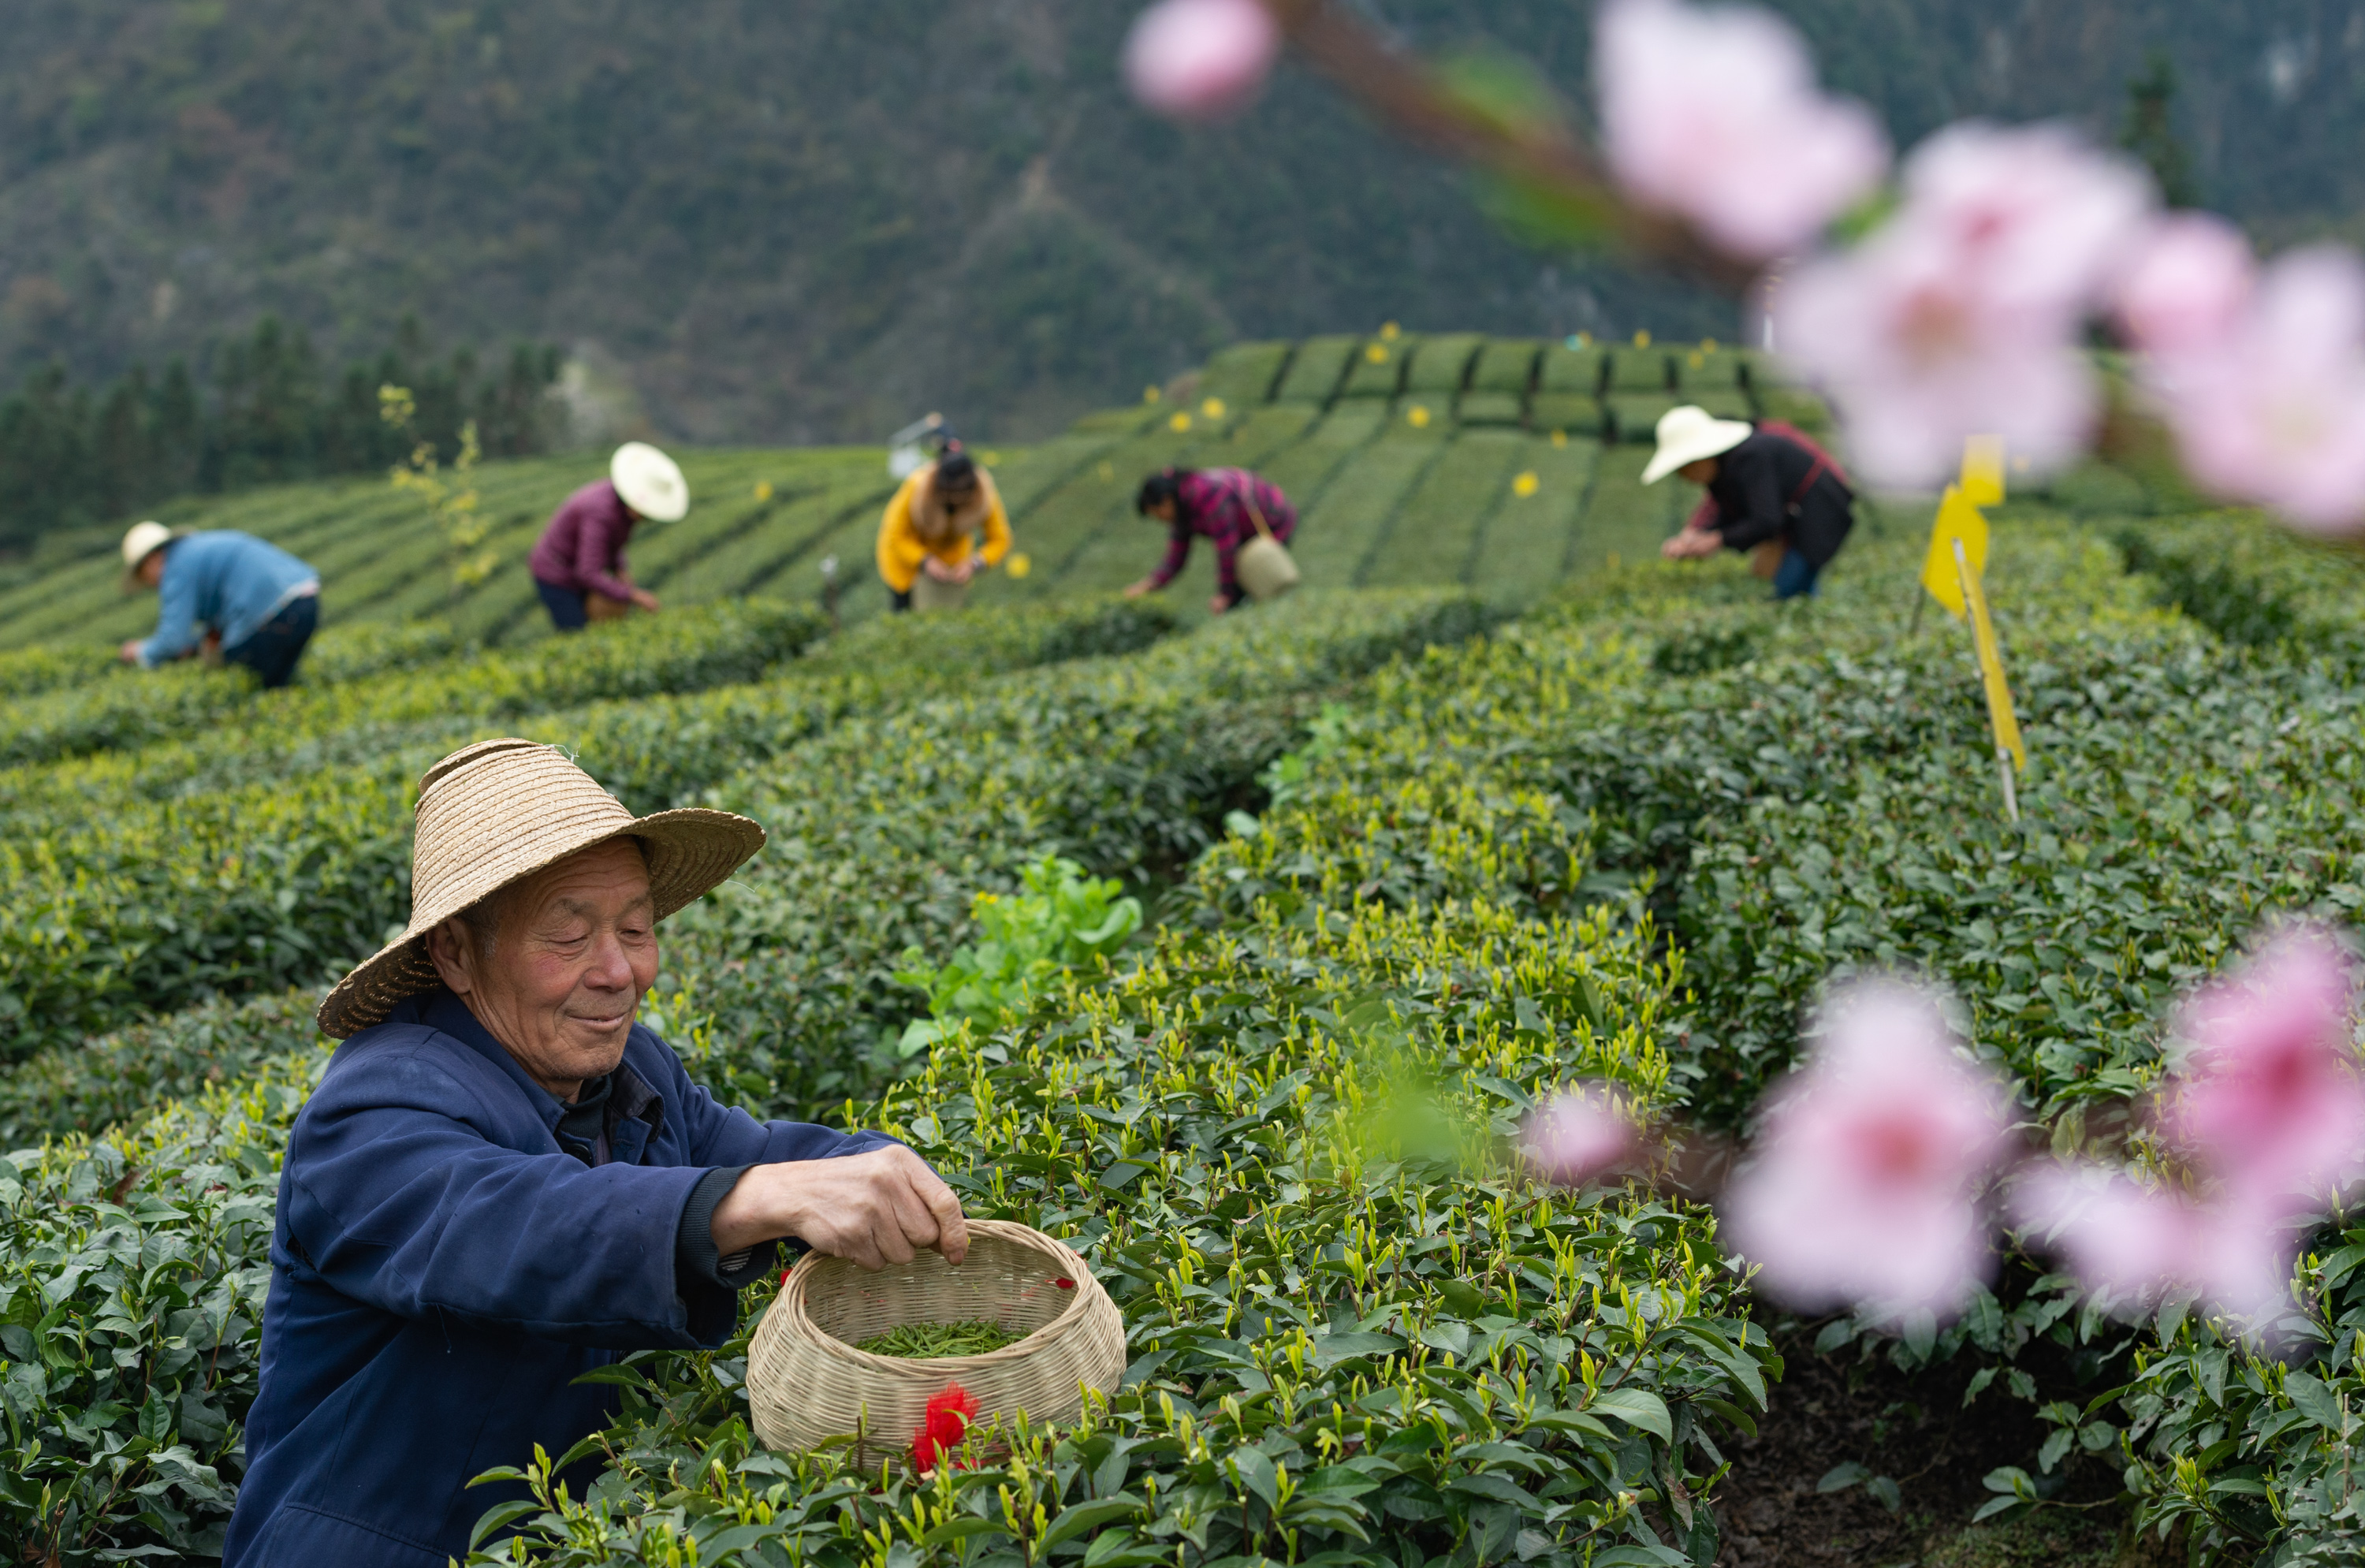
(1220, 505)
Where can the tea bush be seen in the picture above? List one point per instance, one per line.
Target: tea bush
(101, 1372)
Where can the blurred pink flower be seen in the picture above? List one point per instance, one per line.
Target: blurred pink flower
(1864, 1185)
(1712, 115)
(1201, 60)
(1961, 315)
(2274, 412)
(1580, 1133)
(2270, 1102)
(2188, 288)
(2138, 1243)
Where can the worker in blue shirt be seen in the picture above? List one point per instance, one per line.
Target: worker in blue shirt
(253, 601)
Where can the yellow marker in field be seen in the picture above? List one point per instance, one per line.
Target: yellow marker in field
(1213, 408)
(1642, 339)
(1389, 332)
(1960, 522)
(1375, 353)
(1150, 394)
(1019, 564)
(763, 489)
(1526, 485)
(1179, 423)
(1418, 416)
(1983, 470)
(1708, 345)
(1560, 438)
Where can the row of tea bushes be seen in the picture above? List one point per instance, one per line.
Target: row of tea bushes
(884, 829)
(1816, 794)
(1358, 1334)
(256, 859)
(737, 641)
(138, 1262)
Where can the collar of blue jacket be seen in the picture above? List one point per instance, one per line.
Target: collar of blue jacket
(442, 1274)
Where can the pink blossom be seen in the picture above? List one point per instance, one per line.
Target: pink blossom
(2140, 1244)
(2189, 286)
(1961, 315)
(1712, 115)
(1864, 1185)
(2274, 413)
(1580, 1133)
(1201, 60)
(2270, 1104)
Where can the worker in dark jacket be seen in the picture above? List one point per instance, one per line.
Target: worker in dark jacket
(1771, 491)
(1221, 505)
(503, 1182)
(578, 562)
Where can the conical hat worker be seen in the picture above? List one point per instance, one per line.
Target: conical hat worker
(946, 520)
(578, 562)
(1771, 490)
(504, 1181)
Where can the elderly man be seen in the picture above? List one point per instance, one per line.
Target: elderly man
(502, 1182)
(246, 595)
(578, 562)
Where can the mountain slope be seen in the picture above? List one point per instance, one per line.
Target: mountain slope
(813, 221)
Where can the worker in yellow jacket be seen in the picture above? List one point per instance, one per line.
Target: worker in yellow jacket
(933, 523)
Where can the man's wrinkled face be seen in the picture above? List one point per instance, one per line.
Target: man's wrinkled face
(573, 953)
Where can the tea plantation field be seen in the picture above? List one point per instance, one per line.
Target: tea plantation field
(1415, 847)
(1492, 464)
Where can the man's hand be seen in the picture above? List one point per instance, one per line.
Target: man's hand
(1218, 604)
(1135, 590)
(875, 1209)
(646, 599)
(129, 652)
(1691, 542)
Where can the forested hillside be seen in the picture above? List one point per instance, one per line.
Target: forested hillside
(813, 221)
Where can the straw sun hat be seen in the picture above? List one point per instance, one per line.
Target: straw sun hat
(496, 812)
(1690, 433)
(649, 482)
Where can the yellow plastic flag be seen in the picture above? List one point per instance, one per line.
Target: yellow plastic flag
(1958, 520)
(1983, 470)
(2001, 716)
(1018, 564)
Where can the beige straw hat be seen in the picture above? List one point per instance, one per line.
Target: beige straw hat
(650, 482)
(497, 812)
(142, 540)
(1690, 433)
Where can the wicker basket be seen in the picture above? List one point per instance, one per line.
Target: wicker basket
(930, 593)
(806, 1383)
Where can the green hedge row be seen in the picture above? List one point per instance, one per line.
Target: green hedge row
(130, 1253)
(1358, 1334)
(142, 883)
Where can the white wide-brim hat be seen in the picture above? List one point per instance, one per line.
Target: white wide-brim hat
(143, 540)
(1690, 433)
(649, 482)
(497, 812)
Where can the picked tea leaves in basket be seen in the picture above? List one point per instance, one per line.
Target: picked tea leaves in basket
(1020, 1325)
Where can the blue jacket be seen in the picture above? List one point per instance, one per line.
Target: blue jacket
(442, 1272)
(231, 582)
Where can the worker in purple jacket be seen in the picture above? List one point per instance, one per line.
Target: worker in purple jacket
(578, 562)
(1219, 504)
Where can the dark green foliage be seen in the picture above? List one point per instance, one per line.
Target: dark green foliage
(69, 457)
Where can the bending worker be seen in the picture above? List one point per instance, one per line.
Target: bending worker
(224, 591)
(932, 526)
(504, 1182)
(1771, 490)
(578, 562)
(1215, 503)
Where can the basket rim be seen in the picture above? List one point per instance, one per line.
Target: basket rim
(800, 1321)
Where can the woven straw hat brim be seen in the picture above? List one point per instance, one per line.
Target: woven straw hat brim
(1690, 434)
(691, 852)
(496, 812)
